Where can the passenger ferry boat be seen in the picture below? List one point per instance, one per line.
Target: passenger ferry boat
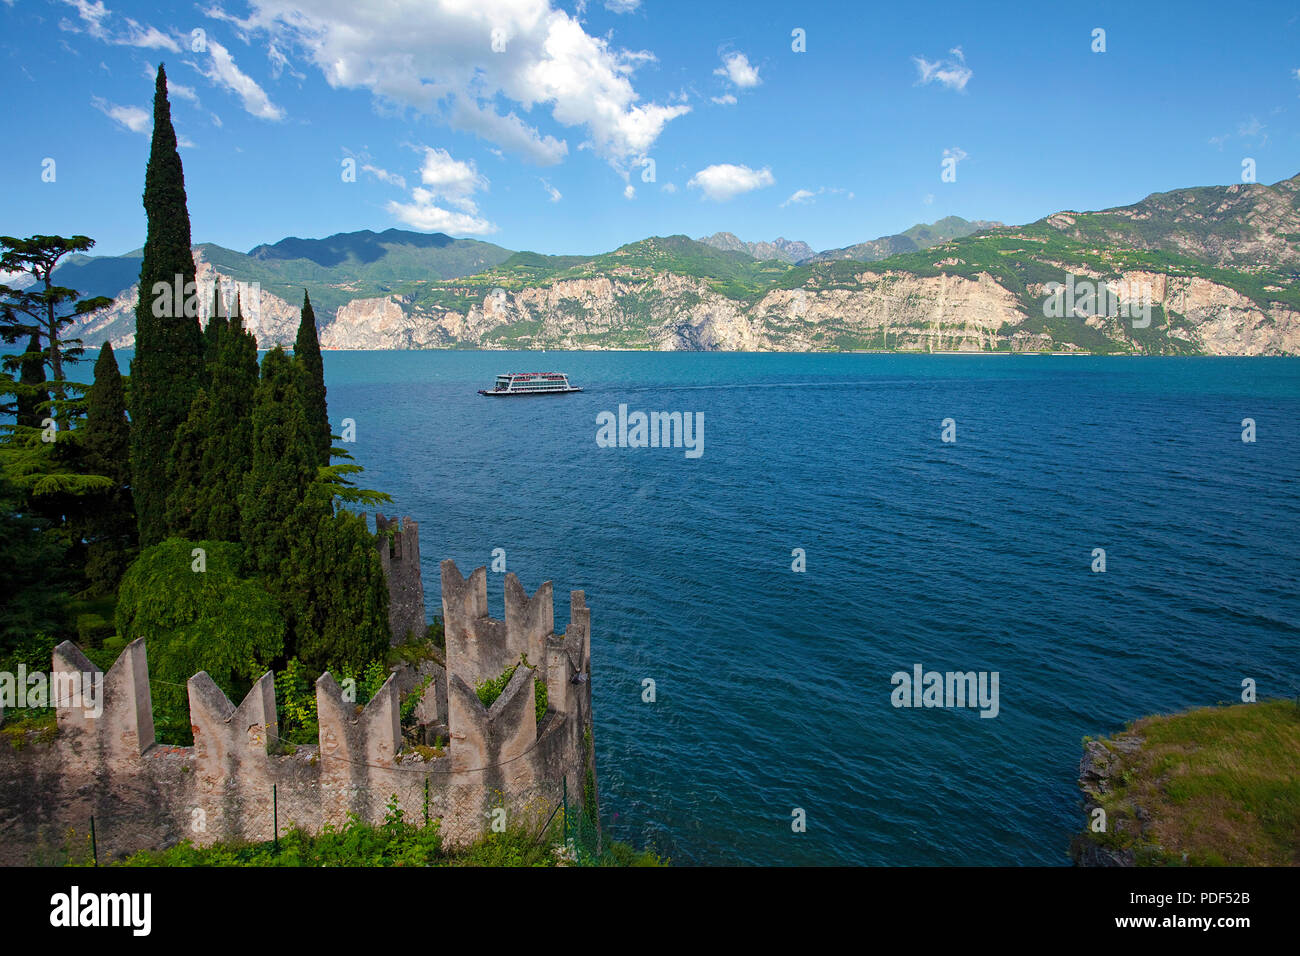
(530, 383)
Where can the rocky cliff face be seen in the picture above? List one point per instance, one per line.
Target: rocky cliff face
(271, 319)
(888, 310)
(1219, 265)
(785, 250)
(1238, 226)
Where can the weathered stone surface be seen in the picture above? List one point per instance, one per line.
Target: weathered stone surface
(238, 777)
(400, 559)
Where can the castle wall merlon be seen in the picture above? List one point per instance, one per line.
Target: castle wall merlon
(578, 634)
(222, 730)
(463, 600)
(400, 560)
(116, 705)
(467, 726)
(559, 672)
(482, 737)
(372, 736)
(529, 620)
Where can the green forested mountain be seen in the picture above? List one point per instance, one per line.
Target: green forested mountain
(335, 270)
(920, 236)
(1220, 262)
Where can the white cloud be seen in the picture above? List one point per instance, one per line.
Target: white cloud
(278, 60)
(629, 191)
(146, 37)
(437, 57)
(224, 73)
(952, 73)
(928, 199)
(670, 188)
(737, 68)
(132, 118)
(426, 215)
(551, 191)
(622, 6)
(384, 176)
(1219, 140)
(185, 142)
(93, 18)
(807, 196)
(449, 181)
(724, 181)
(725, 100)
(509, 130)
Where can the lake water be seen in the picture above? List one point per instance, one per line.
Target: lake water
(773, 687)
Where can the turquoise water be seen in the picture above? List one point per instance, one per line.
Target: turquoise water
(773, 687)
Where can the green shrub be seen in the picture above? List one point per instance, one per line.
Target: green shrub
(213, 620)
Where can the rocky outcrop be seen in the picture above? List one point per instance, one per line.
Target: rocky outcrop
(271, 319)
(667, 312)
(886, 310)
(785, 250)
(1097, 770)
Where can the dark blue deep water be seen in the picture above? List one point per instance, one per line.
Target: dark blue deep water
(774, 687)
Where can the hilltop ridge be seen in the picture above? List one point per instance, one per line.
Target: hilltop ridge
(1219, 265)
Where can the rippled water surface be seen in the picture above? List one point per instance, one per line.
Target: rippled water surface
(774, 687)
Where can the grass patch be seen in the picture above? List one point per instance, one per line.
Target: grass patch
(392, 843)
(1218, 786)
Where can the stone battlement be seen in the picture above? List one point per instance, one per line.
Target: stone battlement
(399, 555)
(146, 795)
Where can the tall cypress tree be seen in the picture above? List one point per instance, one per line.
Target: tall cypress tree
(168, 363)
(229, 448)
(332, 587)
(216, 326)
(284, 465)
(306, 350)
(31, 399)
(187, 467)
(110, 520)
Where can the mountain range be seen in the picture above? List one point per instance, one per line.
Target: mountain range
(1220, 266)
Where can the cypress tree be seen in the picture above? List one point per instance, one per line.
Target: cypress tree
(30, 402)
(216, 327)
(110, 520)
(284, 465)
(229, 455)
(306, 350)
(187, 469)
(168, 363)
(333, 588)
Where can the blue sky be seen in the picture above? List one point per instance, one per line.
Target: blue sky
(542, 142)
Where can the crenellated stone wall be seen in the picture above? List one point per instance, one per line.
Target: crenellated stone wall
(400, 559)
(239, 778)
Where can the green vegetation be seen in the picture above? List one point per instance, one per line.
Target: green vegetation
(248, 564)
(1215, 786)
(489, 690)
(392, 843)
(166, 369)
(226, 430)
(306, 351)
(110, 525)
(216, 620)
